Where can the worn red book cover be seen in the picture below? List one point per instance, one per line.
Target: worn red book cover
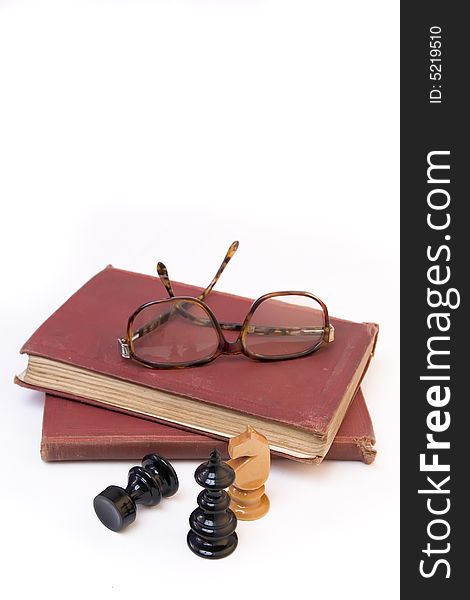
(76, 431)
(299, 404)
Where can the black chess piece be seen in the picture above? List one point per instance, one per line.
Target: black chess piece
(213, 524)
(116, 507)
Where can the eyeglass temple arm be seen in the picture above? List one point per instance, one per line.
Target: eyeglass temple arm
(230, 252)
(328, 331)
(165, 279)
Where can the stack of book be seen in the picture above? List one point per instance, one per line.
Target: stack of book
(99, 405)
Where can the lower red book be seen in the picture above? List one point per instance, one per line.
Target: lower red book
(77, 431)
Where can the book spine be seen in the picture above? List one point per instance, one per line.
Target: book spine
(63, 449)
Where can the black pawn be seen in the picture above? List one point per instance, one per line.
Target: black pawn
(213, 524)
(116, 507)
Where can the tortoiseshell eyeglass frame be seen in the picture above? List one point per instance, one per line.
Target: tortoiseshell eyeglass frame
(239, 346)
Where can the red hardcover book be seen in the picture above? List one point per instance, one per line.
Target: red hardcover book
(297, 404)
(77, 431)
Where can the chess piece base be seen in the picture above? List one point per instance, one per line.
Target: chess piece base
(206, 549)
(248, 505)
(115, 508)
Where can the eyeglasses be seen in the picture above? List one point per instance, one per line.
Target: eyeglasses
(181, 331)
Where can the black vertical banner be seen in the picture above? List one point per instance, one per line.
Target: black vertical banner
(435, 341)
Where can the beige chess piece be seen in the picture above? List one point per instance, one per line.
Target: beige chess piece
(251, 460)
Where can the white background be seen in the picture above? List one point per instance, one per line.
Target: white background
(132, 132)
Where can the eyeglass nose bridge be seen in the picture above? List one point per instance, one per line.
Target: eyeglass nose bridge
(232, 347)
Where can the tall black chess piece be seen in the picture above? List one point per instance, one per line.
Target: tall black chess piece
(116, 507)
(213, 524)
